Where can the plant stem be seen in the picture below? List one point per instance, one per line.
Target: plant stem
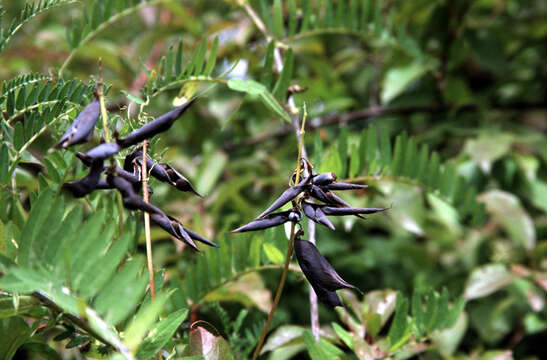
(100, 94)
(144, 174)
(287, 256)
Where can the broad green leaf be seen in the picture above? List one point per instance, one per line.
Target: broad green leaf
(507, 211)
(144, 319)
(315, 351)
(397, 79)
(273, 253)
(282, 336)
(399, 332)
(486, 280)
(160, 334)
(332, 162)
(344, 335)
(254, 88)
(15, 333)
(4, 163)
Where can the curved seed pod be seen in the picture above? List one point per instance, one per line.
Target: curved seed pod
(130, 198)
(178, 180)
(104, 185)
(269, 221)
(314, 213)
(287, 196)
(88, 183)
(317, 269)
(103, 151)
(334, 211)
(317, 193)
(155, 169)
(344, 186)
(182, 234)
(154, 127)
(199, 238)
(336, 200)
(81, 129)
(329, 298)
(324, 179)
(173, 227)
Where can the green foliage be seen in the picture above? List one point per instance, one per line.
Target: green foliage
(78, 273)
(435, 105)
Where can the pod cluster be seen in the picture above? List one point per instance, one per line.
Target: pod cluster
(128, 181)
(315, 197)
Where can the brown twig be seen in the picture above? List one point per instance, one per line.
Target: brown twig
(144, 174)
(382, 111)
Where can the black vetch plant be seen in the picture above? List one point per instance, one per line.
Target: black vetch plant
(314, 196)
(128, 181)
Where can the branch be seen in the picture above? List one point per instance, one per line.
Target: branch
(382, 111)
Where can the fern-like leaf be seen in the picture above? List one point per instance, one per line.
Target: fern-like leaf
(30, 10)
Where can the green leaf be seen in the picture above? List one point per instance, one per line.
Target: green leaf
(254, 88)
(211, 60)
(15, 333)
(507, 211)
(332, 162)
(4, 163)
(273, 253)
(282, 85)
(399, 332)
(314, 349)
(398, 79)
(160, 334)
(144, 319)
(278, 29)
(486, 280)
(18, 138)
(344, 335)
(38, 213)
(42, 349)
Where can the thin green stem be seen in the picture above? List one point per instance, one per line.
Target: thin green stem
(289, 251)
(144, 176)
(103, 26)
(187, 80)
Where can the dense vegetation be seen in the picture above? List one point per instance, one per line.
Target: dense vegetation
(438, 106)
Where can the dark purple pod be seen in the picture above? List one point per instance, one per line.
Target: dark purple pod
(287, 196)
(182, 234)
(199, 238)
(154, 127)
(317, 269)
(178, 180)
(81, 129)
(130, 198)
(269, 221)
(88, 183)
(336, 200)
(171, 226)
(329, 298)
(103, 151)
(344, 186)
(324, 179)
(341, 211)
(104, 185)
(314, 213)
(317, 193)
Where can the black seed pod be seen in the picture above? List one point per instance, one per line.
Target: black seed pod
(314, 213)
(317, 269)
(324, 179)
(334, 211)
(329, 298)
(287, 196)
(269, 221)
(81, 129)
(344, 186)
(130, 198)
(87, 184)
(199, 238)
(154, 127)
(178, 180)
(103, 151)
